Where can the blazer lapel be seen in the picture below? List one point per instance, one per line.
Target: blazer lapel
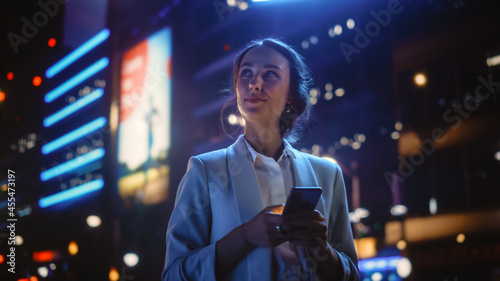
(249, 204)
(244, 181)
(304, 175)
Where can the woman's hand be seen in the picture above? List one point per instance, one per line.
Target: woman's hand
(261, 231)
(306, 228)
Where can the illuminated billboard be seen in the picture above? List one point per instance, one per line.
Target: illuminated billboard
(145, 120)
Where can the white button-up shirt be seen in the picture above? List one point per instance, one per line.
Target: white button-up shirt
(275, 180)
(274, 177)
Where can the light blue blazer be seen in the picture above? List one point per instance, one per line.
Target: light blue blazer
(220, 192)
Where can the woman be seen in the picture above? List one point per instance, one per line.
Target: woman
(227, 222)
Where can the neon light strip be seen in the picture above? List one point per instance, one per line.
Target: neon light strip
(379, 264)
(74, 135)
(77, 79)
(72, 193)
(70, 109)
(77, 53)
(72, 164)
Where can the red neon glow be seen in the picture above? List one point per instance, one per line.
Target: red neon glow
(227, 47)
(52, 42)
(2, 98)
(43, 256)
(10, 76)
(2, 259)
(37, 80)
(23, 279)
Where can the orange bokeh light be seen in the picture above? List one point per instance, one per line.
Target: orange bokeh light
(33, 278)
(2, 259)
(37, 80)
(52, 42)
(2, 98)
(10, 76)
(43, 256)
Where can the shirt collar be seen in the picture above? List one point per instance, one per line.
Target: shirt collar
(287, 151)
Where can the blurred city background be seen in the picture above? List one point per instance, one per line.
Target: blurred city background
(103, 102)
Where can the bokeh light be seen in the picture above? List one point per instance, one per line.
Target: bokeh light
(313, 100)
(337, 29)
(243, 6)
(399, 210)
(395, 135)
(232, 119)
(398, 126)
(131, 259)
(377, 276)
(52, 42)
(113, 274)
(329, 87)
(73, 248)
(404, 268)
(19, 240)
(37, 81)
(433, 206)
(401, 245)
(361, 138)
(331, 32)
(420, 79)
(313, 92)
(43, 271)
(339, 92)
(93, 221)
(350, 23)
(314, 40)
(356, 145)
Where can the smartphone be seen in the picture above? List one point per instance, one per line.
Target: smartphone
(302, 198)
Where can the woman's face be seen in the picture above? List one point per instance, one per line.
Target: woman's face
(263, 85)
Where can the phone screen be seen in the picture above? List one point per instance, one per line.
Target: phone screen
(302, 198)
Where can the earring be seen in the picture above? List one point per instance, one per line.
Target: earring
(289, 108)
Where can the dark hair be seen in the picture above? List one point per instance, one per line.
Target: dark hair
(300, 83)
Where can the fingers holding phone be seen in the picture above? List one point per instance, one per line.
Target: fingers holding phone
(264, 230)
(302, 223)
(306, 228)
